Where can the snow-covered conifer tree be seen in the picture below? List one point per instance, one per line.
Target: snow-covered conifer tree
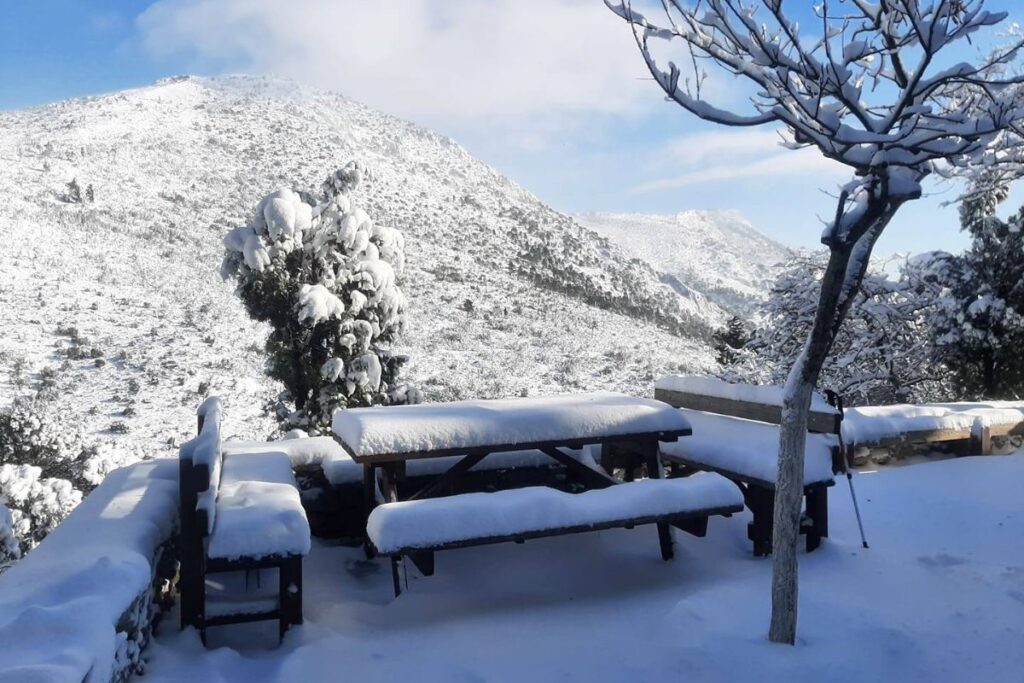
(977, 311)
(324, 275)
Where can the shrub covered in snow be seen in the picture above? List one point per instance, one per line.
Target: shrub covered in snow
(977, 302)
(45, 469)
(325, 277)
(882, 354)
(10, 549)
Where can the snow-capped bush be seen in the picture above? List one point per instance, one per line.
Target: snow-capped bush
(882, 354)
(10, 549)
(45, 469)
(37, 503)
(325, 277)
(976, 315)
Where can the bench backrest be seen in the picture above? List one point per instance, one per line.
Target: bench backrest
(749, 401)
(199, 467)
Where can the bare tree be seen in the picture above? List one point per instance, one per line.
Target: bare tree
(872, 88)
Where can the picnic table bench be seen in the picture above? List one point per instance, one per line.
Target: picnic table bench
(386, 440)
(237, 513)
(736, 434)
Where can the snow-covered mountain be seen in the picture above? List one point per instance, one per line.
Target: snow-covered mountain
(717, 253)
(116, 308)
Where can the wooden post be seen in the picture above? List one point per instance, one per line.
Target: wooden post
(817, 512)
(656, 471)
(981, 440)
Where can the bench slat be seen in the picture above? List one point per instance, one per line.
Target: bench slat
(478, 518)
(817, 421)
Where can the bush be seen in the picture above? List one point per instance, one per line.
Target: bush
(44, 472)
(325, 277)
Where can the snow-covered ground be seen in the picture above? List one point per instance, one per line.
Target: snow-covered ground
(939, 596)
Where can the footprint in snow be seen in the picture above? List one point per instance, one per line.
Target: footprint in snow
(941, 560)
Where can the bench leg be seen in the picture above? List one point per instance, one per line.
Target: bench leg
(817, 513)
(395, 579)
(291, 590)
(665, 540)
(652, 456)
(761, 502)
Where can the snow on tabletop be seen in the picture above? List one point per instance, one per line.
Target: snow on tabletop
(60, 605)
(747, 447)
(259, 511)
(435, 521)
(751, 393)
(468, 424)
(341, 469)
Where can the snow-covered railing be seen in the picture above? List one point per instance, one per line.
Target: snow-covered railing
(974, 423)
(81, 606)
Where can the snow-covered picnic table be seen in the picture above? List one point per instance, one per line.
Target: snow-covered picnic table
(384, 439)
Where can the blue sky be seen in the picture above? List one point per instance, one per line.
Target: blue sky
(550, 92)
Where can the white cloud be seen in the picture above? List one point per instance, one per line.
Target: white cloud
(463, 63)
(723, 156)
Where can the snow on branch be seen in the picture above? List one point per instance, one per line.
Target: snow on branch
(864, 83)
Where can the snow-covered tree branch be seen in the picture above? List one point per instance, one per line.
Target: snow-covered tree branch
(873, 85)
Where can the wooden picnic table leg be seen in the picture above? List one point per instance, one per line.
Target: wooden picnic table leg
(656, 471)
(369, 500)
(590, 477)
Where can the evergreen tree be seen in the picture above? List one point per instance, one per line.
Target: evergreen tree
(323, 275)
(74, 192)
(730, 339)
(977, 318)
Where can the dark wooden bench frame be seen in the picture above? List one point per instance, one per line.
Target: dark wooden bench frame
(637, 451)
(759, 494)
(195, 565)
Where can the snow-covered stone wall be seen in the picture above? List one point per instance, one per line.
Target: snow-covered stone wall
(80, 607)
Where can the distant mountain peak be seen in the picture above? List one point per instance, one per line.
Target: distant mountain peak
(717, 253)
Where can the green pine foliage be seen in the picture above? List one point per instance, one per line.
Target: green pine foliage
(324, 276)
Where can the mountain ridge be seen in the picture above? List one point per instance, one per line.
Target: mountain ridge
(116, 308)
(716, 253)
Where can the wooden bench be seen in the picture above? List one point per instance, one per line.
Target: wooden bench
(386, 441)
(735, 434)
(418, 528)
(237, 514)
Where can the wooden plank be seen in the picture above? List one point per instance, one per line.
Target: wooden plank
(590, 477)
(450, 476)
(576, 529)
(484, 449)
(817, 421)
(1008, 428)
(916, 436)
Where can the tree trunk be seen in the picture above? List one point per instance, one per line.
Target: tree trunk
(792, 440)
(839, 286)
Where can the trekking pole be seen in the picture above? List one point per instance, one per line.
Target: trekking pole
(837, 401)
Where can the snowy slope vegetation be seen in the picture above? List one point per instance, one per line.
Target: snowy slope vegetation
(717, 253)
(116, 308)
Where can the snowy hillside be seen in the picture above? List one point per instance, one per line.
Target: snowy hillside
(717, 253)
(116, 308)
